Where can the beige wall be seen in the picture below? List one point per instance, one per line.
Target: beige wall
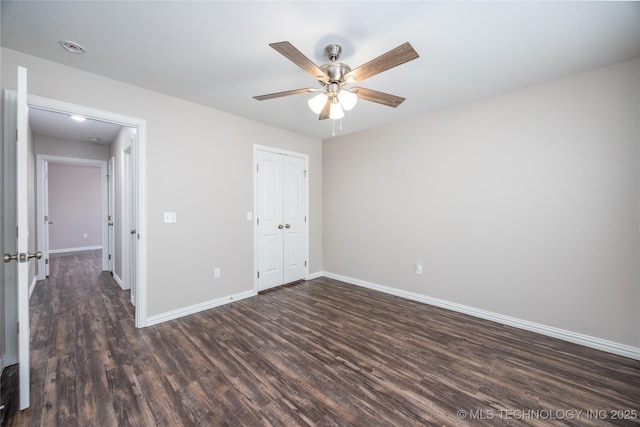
(199, 166)
(75, 206)
(525, 204)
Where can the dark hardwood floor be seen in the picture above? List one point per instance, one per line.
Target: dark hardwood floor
(313, 353)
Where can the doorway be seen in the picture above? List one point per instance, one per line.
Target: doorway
(46, 221)
(281, 204)
(137, 170)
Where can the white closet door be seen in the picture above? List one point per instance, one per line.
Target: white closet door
(282, 201)
(270, 206)
(294, 219)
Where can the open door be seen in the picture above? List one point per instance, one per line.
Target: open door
(47, 221)
(17, 255)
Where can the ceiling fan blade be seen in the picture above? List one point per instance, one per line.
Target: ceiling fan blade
(294, 55)
(393, 58)
(324, 114)
(379, 97)
(285, 93)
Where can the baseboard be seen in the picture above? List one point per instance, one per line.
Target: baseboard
(84, 248)
(196, 308)
(315, 275)
(119, 281)
(32, 286)
(574, 337)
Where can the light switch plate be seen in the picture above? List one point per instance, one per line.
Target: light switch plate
(169, 217)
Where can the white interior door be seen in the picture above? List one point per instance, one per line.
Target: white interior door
(294, 218)
(22, 215)
(281, 219)
(17, 235)
(130, 233)
(47, 219)
(110, 214)
(270, 221)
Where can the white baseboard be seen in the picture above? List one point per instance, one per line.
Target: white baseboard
(574, 337)
(119, 281)
(315, 275)
(196, 308)
(84, 248)
(32, 286)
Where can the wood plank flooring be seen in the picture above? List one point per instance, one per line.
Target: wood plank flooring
(313, 353)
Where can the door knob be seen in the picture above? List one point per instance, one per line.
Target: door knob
(280, 226)
(132, 232)
(110, 223)
(22, 257)
(9, 257)
(49, 222)
(287, 226)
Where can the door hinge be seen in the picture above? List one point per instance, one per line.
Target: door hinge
(305, 263)
(257, 168)
(305, 218)
(305, 174)
(257, 221)
(18, 328)
(109, 256)
(46, 261)
(258, 274)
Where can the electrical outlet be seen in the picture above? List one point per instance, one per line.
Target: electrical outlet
(169, 217)
(85, 235)
(418, 268)
(216, 273)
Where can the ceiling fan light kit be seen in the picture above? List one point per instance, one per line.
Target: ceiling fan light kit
(334, 98)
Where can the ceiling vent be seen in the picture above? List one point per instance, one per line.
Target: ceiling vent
(72, 46)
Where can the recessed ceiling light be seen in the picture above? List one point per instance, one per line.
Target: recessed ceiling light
(78, 118)
(72, 46)
(94, 139)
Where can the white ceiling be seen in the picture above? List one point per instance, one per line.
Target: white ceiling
(62, 126)
(216, 53)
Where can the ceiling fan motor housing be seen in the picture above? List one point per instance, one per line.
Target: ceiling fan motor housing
(336, 72)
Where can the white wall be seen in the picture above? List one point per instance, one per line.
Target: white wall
(525, 204)
(75, 207)
(199, 166)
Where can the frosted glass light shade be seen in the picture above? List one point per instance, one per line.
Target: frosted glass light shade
(348, 99)
(318, 102)
(335, 111)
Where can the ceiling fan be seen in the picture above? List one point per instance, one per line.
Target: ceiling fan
(333, 77)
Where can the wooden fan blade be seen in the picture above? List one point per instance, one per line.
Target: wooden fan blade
(379, 97)
(324, 114)
(393, 58)
(289, 51)
(285, 93)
